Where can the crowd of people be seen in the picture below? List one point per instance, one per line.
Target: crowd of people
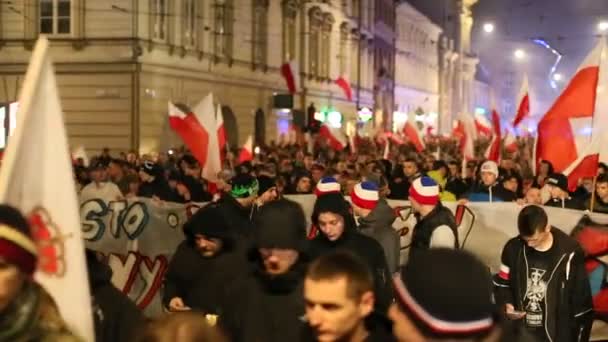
(250, 269)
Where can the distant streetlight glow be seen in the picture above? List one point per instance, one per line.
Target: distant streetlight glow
(557, 77)
(520, 54)
(488, 27)
(603, 26)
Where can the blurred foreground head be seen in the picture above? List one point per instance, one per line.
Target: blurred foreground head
(183, 327)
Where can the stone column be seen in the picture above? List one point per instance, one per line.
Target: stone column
(464, 80)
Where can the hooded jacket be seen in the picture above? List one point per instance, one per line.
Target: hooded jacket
(599, 206)
(158, 187)
(115, 316)
(493, 193)
(353, 241)
(379, 226)
(264, 307)
(566, 203)
(568, 311)
(238, 218)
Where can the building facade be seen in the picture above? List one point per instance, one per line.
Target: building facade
(118, 64)
(417, 83)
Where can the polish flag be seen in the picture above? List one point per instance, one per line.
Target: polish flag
(468, 135)
(191, 132)
(80, 152)
(345, 86)
(246, 153)
(483, 126)
(207, 117)
(523, 103)
(569, 135)
(410, 130)
(291, 73)
(336, 139)
(510, 143)
(387, 150)
(221, 133)
(493, 151)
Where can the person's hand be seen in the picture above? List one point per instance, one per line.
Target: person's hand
(177, 304)
(512, 314)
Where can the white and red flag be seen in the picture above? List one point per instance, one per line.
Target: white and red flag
(246, 153)
(523, 103)
(291, 73)
(335, 137)
(493, 150)
(221, 133)
(483, 126)
(468, 135)
(194, 136)
(36, 177)
(510, 142)
(343, 83)
(206, 115)
(570, 134)
(411, 131)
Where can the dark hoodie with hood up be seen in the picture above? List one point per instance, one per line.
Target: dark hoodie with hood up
(201, 281)
(265, 307)
(116, 317)
(353, 241)
(379, 226)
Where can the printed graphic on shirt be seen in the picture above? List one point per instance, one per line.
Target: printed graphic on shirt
(535, 297)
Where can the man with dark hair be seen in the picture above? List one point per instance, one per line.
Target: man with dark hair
(560, 196)
(237, 205)
(339, 296)
(543, 282)
(600, 203)
(411, 169)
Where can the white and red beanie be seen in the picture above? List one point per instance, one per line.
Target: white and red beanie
(327, 185)
(365, 195)
(16, 245)
(425, 191)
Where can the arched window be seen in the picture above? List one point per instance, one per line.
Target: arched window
(260, 32)
(290, 12)
(343, 57)
(314, 41)
(325, 62)
(223, 29)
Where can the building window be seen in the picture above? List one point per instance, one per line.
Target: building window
(159, 14)
(190, 19)
(260, 32)
(290, 12)
(314, 41)
(223, 23)
(355, 8)
(343, 57)
(55, 17)
(325, 62)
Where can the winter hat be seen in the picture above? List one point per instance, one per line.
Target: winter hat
(16, 244)
(207, 221)
(151, 168)
(490, 167)
(425, 191)
(98, 164)
(365, 195)
(559, 180)
(462, 307)
(280, 224)
(265, 183)
(331, 203)
(244, 185)
(327, 185)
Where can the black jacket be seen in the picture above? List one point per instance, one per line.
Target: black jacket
(158, 187)
(378, 326)
(599, 206)
(423, 231)
(568, 311)
(494, 193)
(116, 317)
(261, 308)
(239, 218)
(199, 281)
(568, 203)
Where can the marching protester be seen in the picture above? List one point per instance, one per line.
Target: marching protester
(118, 175)
(205, 262)
(376, 218)
(339, 295)
(182, 327)
(237, 206)
(436, 225)
(27, 311)
(489, 189)
(266, 303)
(543, 282)
(100, 186)
(600, 203)
(337, 230)
(560, 196)
(153, 182)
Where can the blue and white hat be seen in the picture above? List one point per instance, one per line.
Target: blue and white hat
(327, 185)
(365, 195)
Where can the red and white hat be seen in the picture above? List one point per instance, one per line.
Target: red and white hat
(425, 191)
(327, 185)
(365, 195)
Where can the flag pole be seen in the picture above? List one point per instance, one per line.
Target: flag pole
(592, 203)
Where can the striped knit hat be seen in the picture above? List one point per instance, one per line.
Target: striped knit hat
(465, 307)
(327, 185)
(365, 195)
(16, 244)
(425, 191)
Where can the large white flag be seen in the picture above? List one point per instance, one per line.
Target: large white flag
(207, 117)
(36, 177)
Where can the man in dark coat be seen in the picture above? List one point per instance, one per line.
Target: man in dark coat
(153, 182)
(204, 263)
(560, 196)
(338, 230)
(238, 206)
(267, 303)
(115, 316)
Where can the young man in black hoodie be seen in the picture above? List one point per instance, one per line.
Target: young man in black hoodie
(600, 203)
(238, 206)
(543, 281)
(560, 196)
(203, 264)
(266, 304)
(334, 218)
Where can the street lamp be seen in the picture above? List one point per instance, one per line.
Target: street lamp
(519, 54)
(557, 77)
(603, 26)
(488, 27)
